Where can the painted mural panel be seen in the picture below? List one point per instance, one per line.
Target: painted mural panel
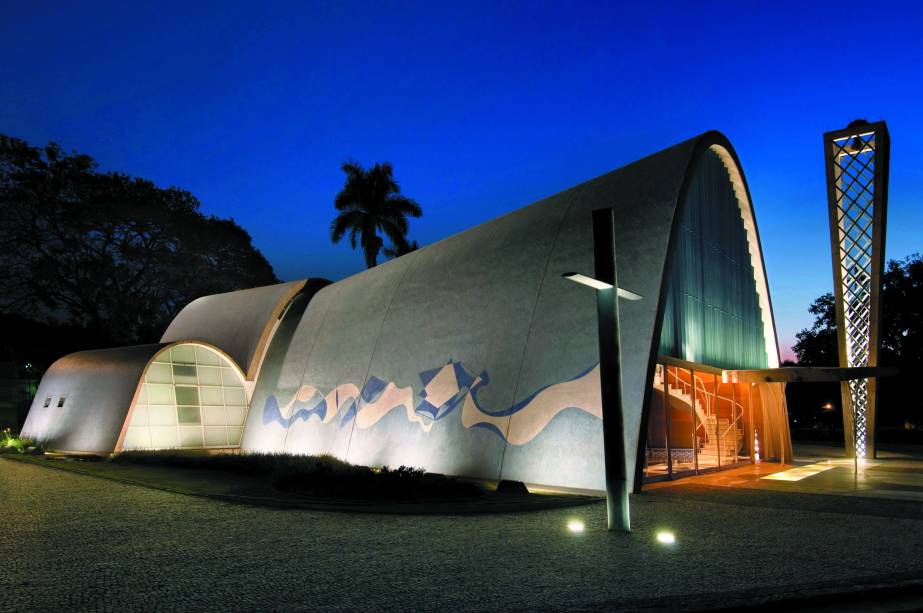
(461, 317)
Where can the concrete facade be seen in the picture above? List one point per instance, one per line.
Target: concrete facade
(101, 387)
(98, 388)
(240, 322)
(473, 356)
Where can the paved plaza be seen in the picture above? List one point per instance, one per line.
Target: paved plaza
(73, 542)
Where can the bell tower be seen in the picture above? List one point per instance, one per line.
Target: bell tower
(857, 159)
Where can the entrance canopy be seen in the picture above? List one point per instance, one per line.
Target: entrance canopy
(805, 374)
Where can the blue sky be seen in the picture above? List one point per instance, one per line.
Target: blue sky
(481, 107)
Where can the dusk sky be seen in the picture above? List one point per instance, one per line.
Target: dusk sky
(481, 107)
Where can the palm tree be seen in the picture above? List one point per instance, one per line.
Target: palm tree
(396, 251)
(369, 202)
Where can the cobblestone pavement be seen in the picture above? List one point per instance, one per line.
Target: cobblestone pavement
(70, 542)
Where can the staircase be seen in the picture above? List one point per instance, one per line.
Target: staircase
(730, 442)
(731, 438)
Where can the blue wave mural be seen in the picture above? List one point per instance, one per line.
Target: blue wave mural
(445, 390)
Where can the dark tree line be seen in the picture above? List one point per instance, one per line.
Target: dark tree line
(105, 258)
(901, 344)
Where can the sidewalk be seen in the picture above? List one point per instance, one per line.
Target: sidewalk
(78, 543)
(822, 470)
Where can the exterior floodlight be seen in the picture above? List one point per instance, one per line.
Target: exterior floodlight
(597, 284)
(665, 537)
(576, 526)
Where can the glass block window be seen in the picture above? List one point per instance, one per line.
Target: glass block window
(191, 397)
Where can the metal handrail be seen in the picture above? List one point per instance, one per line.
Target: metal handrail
(706, 393)
(708, 405)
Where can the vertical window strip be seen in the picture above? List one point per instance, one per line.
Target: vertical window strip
(712, 313)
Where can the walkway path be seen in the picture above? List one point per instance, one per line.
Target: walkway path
(70, 542)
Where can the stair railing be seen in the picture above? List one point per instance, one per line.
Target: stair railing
(711, 399)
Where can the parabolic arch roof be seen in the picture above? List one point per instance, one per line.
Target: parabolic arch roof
(240, 322)
(85, 399)
(473, 356)
(97, 390)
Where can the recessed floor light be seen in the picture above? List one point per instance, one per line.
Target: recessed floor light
(665, 537)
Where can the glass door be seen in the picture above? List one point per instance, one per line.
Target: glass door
(657, 450)
(696, 422)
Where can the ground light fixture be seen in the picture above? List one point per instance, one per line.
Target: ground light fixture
(666, 537)
(575, 526)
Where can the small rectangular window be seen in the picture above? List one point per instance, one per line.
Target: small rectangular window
(47, 402)
(188, 415)
(61, 401)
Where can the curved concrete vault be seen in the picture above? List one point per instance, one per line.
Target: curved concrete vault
(473, 356)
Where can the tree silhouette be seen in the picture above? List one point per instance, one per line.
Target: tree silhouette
(111, 254)
(902, 310)
(395, 251)
(901, 340)
(371, 202)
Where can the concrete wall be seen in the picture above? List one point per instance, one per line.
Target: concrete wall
(473, 356)
(98, 388)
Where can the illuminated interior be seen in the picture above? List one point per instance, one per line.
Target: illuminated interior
(706, 425)
(191, 397)
(715, 316)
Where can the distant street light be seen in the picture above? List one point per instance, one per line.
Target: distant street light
(605, 283)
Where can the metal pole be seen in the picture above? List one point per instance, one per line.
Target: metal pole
(783, 423)
(714, 411)
(751, 426)
(855, 442)
(610, 371)
(734, 419)
(695, 425)
(668, 413)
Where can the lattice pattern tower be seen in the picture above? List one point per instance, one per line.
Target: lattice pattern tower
(857, 194)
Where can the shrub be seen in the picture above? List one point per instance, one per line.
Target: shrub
(11, 443)
(321, 475)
